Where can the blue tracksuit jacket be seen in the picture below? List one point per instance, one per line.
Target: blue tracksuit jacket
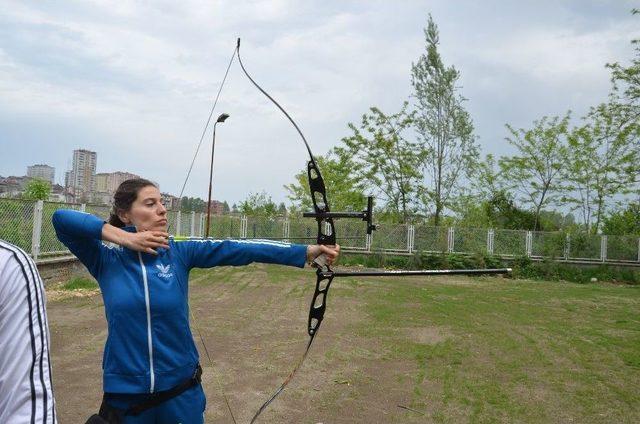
(150, 346)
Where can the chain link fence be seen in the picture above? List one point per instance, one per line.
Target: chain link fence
(431, 239)
(470, 240)
(101, 211)
(584, 246)
(548, 244)
(16, 222)
(28, 225)
(49, 243)
(303, 231)
(623, 248)
(510, 243)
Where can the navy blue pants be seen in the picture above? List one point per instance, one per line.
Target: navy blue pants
(186, 408)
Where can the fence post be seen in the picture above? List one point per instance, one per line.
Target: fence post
(529, 243)
(37, 229)
(451, 240)
(410, 238)
(285, 229)
(193, 224)
(200, 224)
(368, 241)
(413, 238)
(178, 223)
(490, 241)
(83, 207)
(603, 248)
(638, 249)
(567, 247)
(243, 226)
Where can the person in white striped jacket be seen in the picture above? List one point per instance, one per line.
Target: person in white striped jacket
(26, 389)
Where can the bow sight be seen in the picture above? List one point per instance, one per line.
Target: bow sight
(366, 215)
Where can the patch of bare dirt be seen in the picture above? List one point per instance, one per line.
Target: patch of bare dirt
(62, 294)
(427, 335)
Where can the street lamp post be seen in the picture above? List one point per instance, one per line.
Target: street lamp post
(221, 118)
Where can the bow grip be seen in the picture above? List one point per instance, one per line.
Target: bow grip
(320, 261)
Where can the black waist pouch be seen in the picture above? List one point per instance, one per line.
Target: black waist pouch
(110, 415)
(107, 415)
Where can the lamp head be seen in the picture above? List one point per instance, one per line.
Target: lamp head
(222, 117)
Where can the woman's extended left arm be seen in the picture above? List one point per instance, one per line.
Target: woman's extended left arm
(210, 253)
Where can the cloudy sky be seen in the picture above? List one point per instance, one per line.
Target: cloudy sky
(134, 81)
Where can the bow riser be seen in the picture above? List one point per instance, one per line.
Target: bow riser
(323, 282)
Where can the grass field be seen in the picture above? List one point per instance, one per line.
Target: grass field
(405, 350)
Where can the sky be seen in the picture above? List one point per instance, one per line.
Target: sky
(135, 81)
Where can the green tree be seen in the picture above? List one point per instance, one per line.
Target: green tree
(624, 221)
(626, 86)
(259, 204)
(380, 157)
(625, 99)
(488, 180)
(486, 185)
(604, 153)
(344, 190)
(37, 189)
(580, 180)
(602, 163)
(503, 213)
(193, 204)
(535, 171)
(185, 204)
(555, 220)
(199, 205)
(445, 128)
(472, 209)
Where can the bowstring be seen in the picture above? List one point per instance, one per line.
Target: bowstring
(312, 159)
(193, 319)
(204, 131)
(215, 373)
(312, 337)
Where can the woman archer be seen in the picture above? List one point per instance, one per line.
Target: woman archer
(151, 371)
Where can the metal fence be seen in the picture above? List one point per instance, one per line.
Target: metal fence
(28, 225)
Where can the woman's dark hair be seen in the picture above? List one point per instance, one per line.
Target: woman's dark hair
(126, 194)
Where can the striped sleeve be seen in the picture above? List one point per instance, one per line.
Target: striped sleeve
(26, 389)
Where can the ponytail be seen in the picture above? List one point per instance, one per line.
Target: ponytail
(115, 220)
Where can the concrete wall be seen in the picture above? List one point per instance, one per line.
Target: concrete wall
(61, 269)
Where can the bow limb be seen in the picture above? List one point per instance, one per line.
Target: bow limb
(326, 235)
(326, 227)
